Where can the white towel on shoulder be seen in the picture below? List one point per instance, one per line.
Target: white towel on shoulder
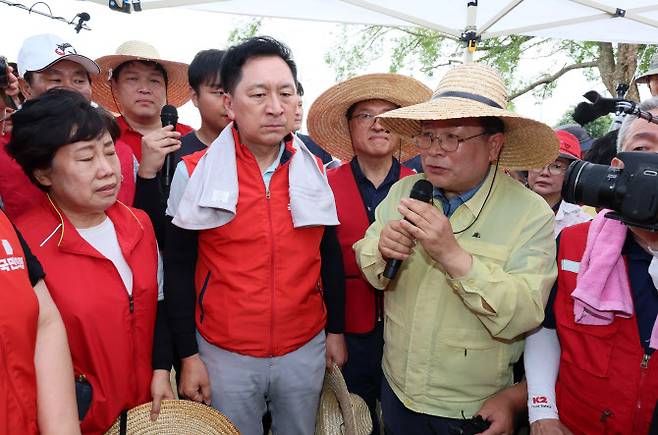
(211, 195)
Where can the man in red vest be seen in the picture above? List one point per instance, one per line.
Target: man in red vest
(593, 359)
(343, 121)
(253, 215)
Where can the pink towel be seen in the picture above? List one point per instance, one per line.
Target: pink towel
(602, 288)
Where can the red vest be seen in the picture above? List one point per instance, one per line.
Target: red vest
(110, 334)
(134, 138)
(19, 194)
(19, 314)
(257, 277)
(360, 296)
(605, 384)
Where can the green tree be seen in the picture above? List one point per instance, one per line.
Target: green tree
(426, 50)
(245, 31)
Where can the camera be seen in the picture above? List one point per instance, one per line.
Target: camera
(632, 192)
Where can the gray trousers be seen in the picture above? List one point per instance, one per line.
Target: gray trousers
(244, 386)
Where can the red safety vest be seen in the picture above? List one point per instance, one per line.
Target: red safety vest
(360, 296)
(19, 315)
(110, 334)
(257, 277)
(606, 383)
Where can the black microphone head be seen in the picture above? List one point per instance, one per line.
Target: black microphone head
(584, 113)
(422, 191)
(169, 115)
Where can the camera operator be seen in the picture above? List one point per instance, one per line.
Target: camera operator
(600, 328)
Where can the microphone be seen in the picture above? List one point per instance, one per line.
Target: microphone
(168, 116)
(422, 191)
(82, 18)
(600, 106)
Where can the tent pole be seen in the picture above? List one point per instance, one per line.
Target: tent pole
(470, 35)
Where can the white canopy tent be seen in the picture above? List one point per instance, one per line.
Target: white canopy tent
(631, 21)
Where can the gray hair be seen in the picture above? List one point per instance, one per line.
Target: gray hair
(647, 105)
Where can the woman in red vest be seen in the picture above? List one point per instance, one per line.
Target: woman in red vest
(343, 122)
(36, 394)
(101, 256)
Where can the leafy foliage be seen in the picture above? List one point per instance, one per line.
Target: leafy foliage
(250, 29)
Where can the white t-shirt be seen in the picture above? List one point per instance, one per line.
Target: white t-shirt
(103, 238)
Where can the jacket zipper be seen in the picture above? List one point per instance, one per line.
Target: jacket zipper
(269, 215)
(644, 365)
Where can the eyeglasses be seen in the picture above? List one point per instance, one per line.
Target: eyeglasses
(447, 143)
(555, 168)
(364, 119)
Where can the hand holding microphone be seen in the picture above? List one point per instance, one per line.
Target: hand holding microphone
(158, 145)
(421, 191)
(426, 224)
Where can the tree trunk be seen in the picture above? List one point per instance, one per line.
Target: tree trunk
(619, 67)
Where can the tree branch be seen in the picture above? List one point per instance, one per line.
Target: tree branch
(550, 78)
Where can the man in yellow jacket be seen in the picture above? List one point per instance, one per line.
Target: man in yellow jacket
(477, 264)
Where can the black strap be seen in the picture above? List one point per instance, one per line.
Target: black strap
(468, 96)
(123, 423)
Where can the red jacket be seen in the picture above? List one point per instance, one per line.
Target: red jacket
(19, 314)
(361, 304)
(606, 385)
(19, 194)
(134, 138)
(257, 277)
(110, 333)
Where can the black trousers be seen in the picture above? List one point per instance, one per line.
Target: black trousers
(400, 420)
(363, 371)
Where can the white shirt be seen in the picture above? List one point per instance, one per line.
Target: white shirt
(103, 238)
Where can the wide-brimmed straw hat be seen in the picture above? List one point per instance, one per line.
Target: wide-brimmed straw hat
(341, 412)
(471, 91)
(327, 120)
(177, 417)
(652, 71)
(177, 85)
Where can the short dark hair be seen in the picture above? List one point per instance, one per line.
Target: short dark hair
(205, 69)
(492, 124)
(300, 89)
(158, 67)
(56, 118)
(259, 46)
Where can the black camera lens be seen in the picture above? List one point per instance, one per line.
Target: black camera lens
(591, 184)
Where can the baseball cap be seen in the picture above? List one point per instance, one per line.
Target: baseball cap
(569, 145)
(41, 51)
(582, 135)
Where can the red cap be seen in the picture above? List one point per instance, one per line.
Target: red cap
(569, 145)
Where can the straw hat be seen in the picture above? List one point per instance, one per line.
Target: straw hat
(653, 70)
(177, 86)
(471, 91)
(177, 417)
(327, 121)
(341, 412)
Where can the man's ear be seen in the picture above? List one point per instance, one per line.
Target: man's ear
(495, 143)
(228, 105)
(194, 97)
(25, 88)
(43, 176)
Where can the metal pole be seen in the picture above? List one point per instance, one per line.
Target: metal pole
(470, 30)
